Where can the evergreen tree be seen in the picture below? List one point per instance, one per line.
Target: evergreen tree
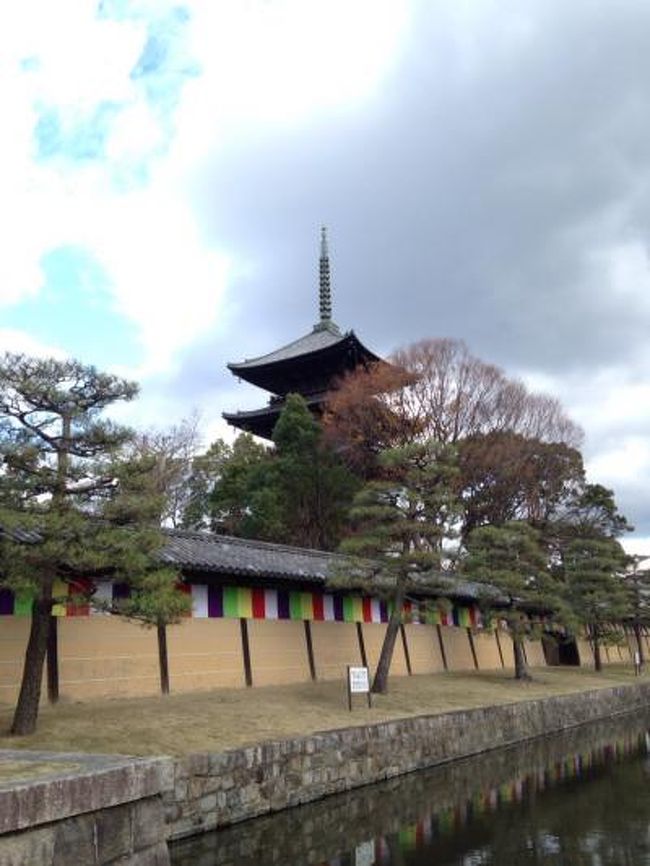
(510, 558)
(594, 587)
(154, 599)
(296, 493)
(637, 582)
(400, 523)
(311, 486)
(238, 502)
(63, 513)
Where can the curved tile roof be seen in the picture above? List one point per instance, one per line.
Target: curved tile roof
(203, 551)
(223, 554)
(315, 341)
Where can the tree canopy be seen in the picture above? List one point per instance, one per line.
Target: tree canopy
(297, 492)
(68, 506)
(400, 522)
(511, 559)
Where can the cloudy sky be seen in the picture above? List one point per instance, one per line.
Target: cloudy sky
(483, 167)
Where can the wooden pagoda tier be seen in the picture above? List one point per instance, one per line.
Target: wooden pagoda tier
(309, 366)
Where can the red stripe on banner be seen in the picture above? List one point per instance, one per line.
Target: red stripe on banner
(472, 615)
(181, 586)
(80, 587)
(318, 605)
(259, 606)
(367, 609)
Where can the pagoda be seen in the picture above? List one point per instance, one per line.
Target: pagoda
(309, 366)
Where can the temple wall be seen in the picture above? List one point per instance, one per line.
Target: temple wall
(458, 651)
(336, 645)
(535, 653)
(424, 649)
(487, 651)
(278, 652)
(205, 654)
(585, 652)
(14, 632)
(103, 656)
(373, 637)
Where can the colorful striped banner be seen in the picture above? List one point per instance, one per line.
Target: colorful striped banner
(214, 602)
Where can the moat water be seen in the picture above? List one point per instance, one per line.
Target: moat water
(582, 797)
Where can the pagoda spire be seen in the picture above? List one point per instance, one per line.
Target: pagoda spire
(324, 286)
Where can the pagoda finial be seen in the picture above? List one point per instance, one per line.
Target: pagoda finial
(325, 290)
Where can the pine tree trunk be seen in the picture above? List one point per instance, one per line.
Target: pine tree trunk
(52, 659)
(598, 664)
(639, 643)
(380, 682)
(521, 668)
(26, 713)
(163, 658)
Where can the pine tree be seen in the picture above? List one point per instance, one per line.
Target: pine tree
(595, 589)
(510, 558)
(400, 523)
(297, 492)
(312, 487)
(64, 515)
(637, 582)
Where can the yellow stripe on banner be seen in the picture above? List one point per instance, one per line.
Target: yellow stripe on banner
(357, 608)
(307, 605)
(245, 599)
(59, 590)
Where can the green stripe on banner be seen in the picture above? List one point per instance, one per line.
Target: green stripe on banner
(348, 608)
(23, 605)
(295, 605)
(231, 601)
(307, 605)
(407, 838)
(245, 602)
(464, 617)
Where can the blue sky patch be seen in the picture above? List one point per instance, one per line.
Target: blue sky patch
(72, 135)
(74, 310)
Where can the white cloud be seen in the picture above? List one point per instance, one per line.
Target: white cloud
(130, 209)
(20, 342)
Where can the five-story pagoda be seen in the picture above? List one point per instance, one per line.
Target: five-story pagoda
(308, 366)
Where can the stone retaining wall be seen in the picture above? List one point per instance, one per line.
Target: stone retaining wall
(68, 810)
(214, 790)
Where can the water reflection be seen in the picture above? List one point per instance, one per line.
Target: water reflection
(577, 798)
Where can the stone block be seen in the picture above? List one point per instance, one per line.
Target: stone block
(74, 841)
(114, 833)
(208, 803)
(148, 823)
(155, 856)
(27, 848)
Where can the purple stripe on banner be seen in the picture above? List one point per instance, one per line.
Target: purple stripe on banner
(6, 602)
(338, 608)
(383, 611)
(215, 601)
(284, 608)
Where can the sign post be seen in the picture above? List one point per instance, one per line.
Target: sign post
(358, 684)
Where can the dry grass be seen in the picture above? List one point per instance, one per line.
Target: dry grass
(17, 771)
(216, 720)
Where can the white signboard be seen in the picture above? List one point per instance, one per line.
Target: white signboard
(359, 680)
(364, 854)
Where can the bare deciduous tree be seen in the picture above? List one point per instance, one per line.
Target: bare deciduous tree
(437, 390)
(171, 451)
